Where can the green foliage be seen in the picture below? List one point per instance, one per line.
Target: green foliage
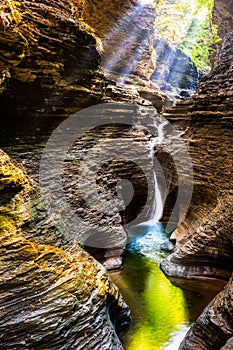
(9, 13)
(188, 26)
(200, 43)
(11, 18)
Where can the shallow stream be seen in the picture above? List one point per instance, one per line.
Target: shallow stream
(161, 312)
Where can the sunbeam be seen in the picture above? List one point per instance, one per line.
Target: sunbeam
(133, 37)
(176, 68)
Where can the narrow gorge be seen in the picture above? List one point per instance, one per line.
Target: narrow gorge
(116, 175)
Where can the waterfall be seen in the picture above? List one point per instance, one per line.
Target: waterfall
(155, 209)
(158, 197)
(157, 204)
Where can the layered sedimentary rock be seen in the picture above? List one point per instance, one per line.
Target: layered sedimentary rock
(174, 72)
(94, 166)
(126, 29)
(53, 55)
(47, 51)
(130, 48)
(63, 298)
(54, 295)
(50, 298)
(204, 247)
(223, 16)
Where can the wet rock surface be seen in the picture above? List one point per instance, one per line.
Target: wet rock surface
(61, 67)
(54, 294)
(112, 141)
(51, 298)
(214, 326)
(204, 240)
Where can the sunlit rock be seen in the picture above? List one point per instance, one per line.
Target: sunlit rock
(175, 73)
(205, 245)
(50, 298)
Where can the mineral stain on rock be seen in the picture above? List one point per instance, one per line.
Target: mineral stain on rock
(50, 298)
(54, 295)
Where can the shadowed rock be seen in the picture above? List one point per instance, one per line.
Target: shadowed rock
(50, 298)
(204, 249)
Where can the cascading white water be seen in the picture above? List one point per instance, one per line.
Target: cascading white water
(155, 208)
(159, 197)
(159, 193)
(150, 237)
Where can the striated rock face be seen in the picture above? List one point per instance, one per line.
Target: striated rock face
(101, 206)
(51, 51)
(50, 298)
(53, 54)
(63, 299)
(223, 16)
(204, 240)
(45, 49)
(174, 73)
(126, 29)
(214, 325)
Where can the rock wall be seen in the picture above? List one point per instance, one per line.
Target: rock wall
(50, 74)
(53, 294)
(126, 29)
(204, 246)
(223, 16)
(51, 298)
(62, 70)
(130, 48)
(45, 49)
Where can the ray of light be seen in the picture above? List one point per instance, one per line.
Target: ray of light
(131, 34)
(126, 58)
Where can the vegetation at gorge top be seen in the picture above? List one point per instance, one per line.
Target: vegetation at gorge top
(188, 26)
(9, 13)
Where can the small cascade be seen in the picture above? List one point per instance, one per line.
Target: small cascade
(157, 204)
(155, 208)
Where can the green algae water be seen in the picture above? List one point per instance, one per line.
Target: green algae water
(161, 313)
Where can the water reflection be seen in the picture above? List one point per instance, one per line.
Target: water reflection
(158, 308)
(161, 312)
